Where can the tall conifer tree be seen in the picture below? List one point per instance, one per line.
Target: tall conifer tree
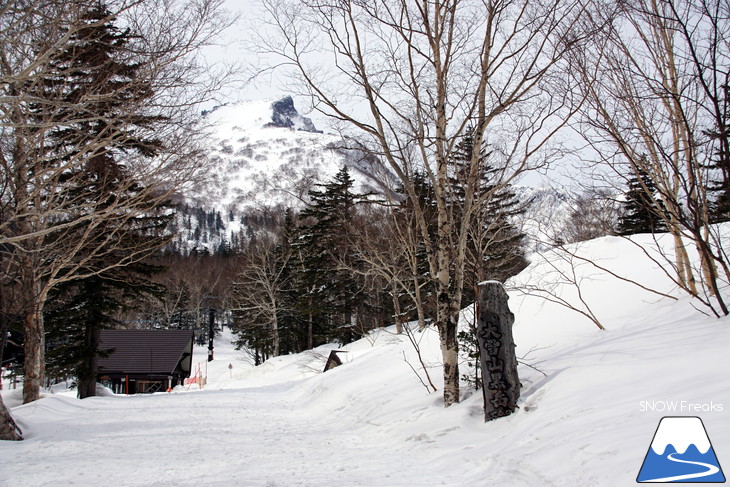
(495, 243)
(327, 226)
(96, 65)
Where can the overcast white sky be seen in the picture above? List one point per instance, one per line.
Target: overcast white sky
(235, 51)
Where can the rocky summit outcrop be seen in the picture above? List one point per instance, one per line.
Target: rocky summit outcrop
(286, 116)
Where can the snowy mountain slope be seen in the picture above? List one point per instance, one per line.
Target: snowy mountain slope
(547, 211)
(586, 418)
(265, 153)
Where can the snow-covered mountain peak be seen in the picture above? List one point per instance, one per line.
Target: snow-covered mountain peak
(264, 153)
(259, 115)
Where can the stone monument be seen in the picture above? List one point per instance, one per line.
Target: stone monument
(500, 383)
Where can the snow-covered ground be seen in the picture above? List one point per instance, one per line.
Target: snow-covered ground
(588, 421)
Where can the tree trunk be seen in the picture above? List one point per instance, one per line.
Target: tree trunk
(501, 384)
(87, 378)
(396, 307)
(710, 271)
(275, 339)
(685, 276)
(3, 341)
(418, 300)
(447, 322)
(310, 328)
(9, 431)
(34, 346)
(450, 354)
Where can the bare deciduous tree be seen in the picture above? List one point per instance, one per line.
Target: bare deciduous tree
(388, 248)
(652, 83)
(595, 214)
(259, 286)
(561, 280)
(410, 77)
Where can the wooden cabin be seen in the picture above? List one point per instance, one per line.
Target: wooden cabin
(145, 361)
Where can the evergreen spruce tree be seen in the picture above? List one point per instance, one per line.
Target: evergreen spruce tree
(95, 65)
(720, 135)
(310, 286)
(81, 310)
(469, 349)
(405, 216)
(505, 255)
(495, 244)
(292, 324)
(333, 292)
(642, 210)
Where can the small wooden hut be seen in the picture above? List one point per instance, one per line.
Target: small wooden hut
(145, 361)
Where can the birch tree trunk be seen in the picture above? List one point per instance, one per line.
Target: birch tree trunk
(34, 294)
(275, 339)
(34, 346)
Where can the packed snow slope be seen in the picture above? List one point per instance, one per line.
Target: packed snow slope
(586, 416)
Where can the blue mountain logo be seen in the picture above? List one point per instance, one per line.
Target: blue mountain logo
(681, 452)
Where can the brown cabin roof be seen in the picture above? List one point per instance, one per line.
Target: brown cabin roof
(151, 352)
